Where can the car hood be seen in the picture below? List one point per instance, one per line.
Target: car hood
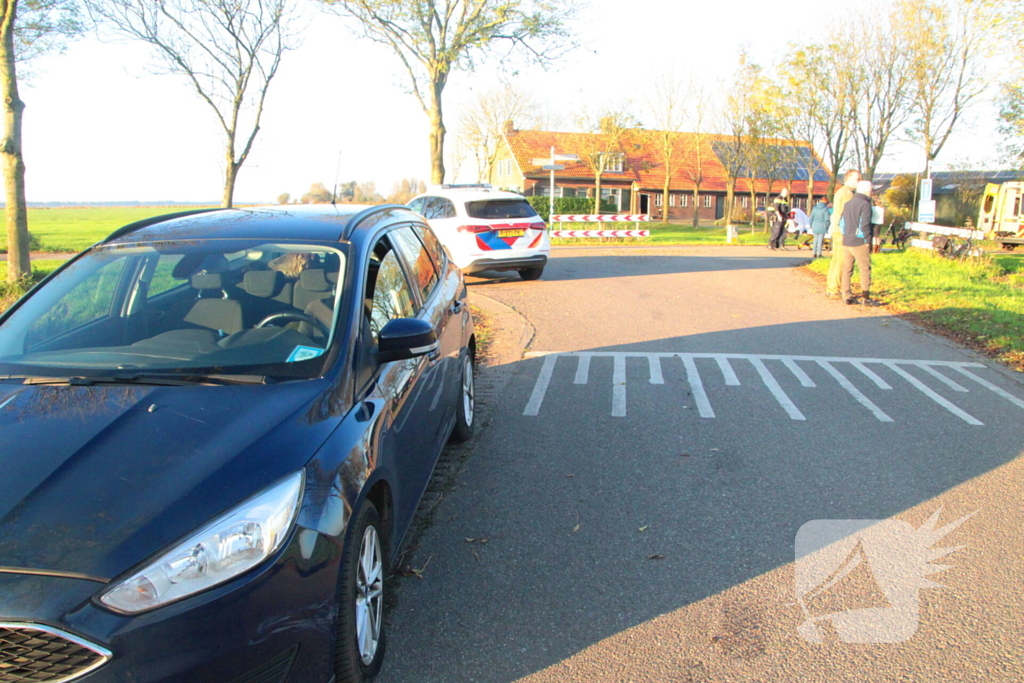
(98, 478)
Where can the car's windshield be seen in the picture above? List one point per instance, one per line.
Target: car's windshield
(500, 208)
(223, 306)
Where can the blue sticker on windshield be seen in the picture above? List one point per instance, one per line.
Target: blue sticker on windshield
(304, 353)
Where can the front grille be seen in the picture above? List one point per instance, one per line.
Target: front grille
(39, 653)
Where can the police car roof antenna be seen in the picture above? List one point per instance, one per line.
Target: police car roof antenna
(337, 174)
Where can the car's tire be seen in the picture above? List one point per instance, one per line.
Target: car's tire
(465, 406)
(531, 273)
(358, 655)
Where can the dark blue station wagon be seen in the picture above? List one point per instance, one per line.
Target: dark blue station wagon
(216, 427)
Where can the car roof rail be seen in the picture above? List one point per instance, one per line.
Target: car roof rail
(358, 218)
(146, 222)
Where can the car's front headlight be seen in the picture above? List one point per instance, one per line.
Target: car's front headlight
(232, 544)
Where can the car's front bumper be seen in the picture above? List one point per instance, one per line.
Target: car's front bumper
(275, 624)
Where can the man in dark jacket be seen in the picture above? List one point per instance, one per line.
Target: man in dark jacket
(857, 243)
(779, 215)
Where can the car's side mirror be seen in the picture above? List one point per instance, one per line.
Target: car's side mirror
(405, 338)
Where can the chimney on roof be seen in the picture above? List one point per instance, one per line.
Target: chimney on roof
(509, 127)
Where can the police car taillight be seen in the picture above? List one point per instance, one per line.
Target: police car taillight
(537, 226)
(475, 229)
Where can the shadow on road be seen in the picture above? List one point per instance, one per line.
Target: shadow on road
(618, 490)
(581, 267)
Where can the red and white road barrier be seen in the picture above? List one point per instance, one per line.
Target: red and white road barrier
(599, 218)
(600, 233)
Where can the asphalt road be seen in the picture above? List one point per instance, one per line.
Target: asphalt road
(634, 508)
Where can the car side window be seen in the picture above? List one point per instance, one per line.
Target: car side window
(432, 244)
(392, 297)
(417, 204)
(423, 274)
(429, 207)
(91, 300)
(445, 208)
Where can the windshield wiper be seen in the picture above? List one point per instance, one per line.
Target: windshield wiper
(170, 380)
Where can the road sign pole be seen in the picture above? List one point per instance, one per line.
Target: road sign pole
(551, 199)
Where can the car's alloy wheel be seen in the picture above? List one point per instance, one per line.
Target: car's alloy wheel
(369, 605)
(465, 410)
(359, 638)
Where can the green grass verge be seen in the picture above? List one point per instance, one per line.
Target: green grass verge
(10, 292)
(72, 230)
(978, 303)
(670, 234)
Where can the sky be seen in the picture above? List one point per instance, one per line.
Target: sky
(100, 124)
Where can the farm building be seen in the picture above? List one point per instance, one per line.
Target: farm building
(635, 171)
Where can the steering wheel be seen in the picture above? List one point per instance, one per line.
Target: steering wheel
(274, 318)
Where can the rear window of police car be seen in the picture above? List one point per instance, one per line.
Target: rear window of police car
(500, 208)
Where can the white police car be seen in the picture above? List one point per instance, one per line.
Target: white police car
(486, 229)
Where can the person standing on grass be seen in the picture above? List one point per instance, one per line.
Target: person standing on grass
(843, 195)
(857, 234)
(820, 215)
(780, 207)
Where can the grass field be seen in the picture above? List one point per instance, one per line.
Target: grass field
(72, 230)
(978, 303)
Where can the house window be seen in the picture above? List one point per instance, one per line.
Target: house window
(612, 195)
(744, 201)
(504, 168)
(707, 201)
(684, 200)
(760, 201)
(613, 163)
(658, 200)
(671, 200)
(545, 190)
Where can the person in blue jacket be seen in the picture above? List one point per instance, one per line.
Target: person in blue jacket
(820, 215)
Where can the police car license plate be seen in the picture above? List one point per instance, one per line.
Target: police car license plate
(511, 233)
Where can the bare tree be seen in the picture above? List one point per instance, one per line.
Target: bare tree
(482, 123)
(700, 114)
(826, 85)
(1005, 19)
(28, 29)
(741, 125)
(229, 50)
(883, 101)
(600, 146)
(667, 107)
(405, 189)
(434, 37)
(944, 44)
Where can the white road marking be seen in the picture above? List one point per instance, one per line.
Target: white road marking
(656, 376)
(991, 387)
(899, 367)
(942, 378)
(697, 388)
(582, 370)
(773, 386)
(870, 374)
(924, 389)
(854, 391)
(619, 387)
(731, 380)
(541, 387)
(805, 381)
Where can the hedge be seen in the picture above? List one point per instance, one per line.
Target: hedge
(567, 205)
